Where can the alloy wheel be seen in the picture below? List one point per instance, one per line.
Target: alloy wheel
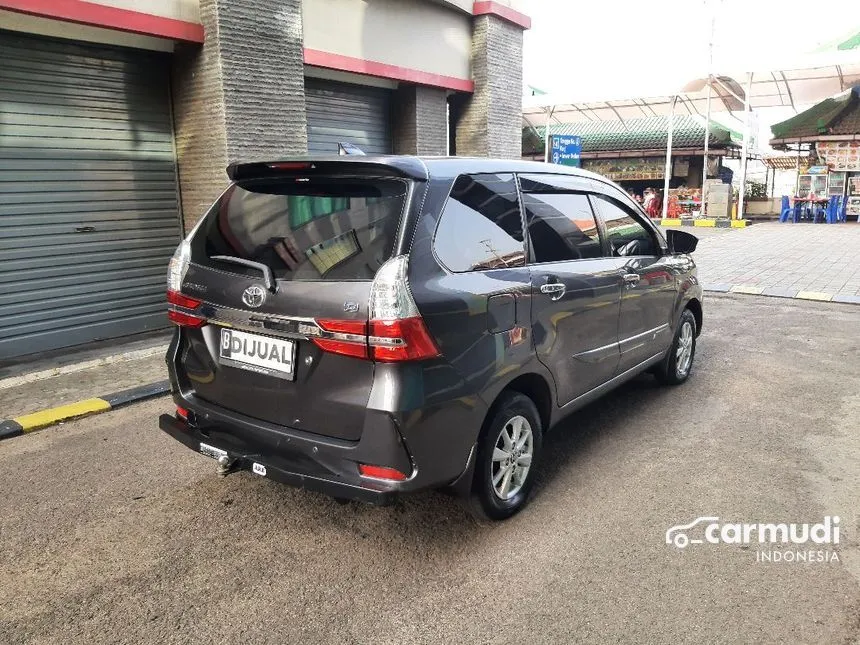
(684, 353)
(512, 457)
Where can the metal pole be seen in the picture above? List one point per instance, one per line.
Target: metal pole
(745, 151)
(773, 183)
(549, 112)
(797, 173)
(707, 141)
(668, 174)
(447, 129)
(708, 108)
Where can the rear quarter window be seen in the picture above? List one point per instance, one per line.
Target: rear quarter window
(481, 225)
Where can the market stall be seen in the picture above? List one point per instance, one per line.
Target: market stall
(633, 154)
(827, 137)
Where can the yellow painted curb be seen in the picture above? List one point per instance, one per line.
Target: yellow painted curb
(750, 290)
(739, 223)
(30, 422)
(670, 222)
(712, 223)
(814, 295)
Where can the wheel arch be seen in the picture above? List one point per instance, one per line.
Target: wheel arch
(535, 387)
(695, 306)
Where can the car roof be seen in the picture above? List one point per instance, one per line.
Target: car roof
(416, 167)
(453, 166)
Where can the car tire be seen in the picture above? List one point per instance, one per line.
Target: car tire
(504, 478)
(678, 363)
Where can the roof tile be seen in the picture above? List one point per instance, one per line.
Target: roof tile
(641, 134)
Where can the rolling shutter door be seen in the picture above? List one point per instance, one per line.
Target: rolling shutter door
(89, 215)
(356, 114)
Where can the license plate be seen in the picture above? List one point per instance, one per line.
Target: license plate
(212, 451)
(261, 354)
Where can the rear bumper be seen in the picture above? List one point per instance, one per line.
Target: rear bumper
(431, 442)
(287, 468)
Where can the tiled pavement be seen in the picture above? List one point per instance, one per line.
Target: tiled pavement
(810, 261)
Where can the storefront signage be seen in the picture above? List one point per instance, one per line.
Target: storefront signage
(642, 168)
(817, 170)
(840, 156)
(565, 150)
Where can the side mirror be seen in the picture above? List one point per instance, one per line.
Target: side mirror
(681, 242)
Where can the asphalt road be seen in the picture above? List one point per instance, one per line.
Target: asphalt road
(111, 532)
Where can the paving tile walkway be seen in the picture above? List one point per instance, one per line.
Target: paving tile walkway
(811, 261)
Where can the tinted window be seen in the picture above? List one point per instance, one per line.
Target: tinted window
(315, 229)
(561, 227)
(481, 226)
(625, 234)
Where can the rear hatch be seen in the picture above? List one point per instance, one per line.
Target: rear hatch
(282, 267)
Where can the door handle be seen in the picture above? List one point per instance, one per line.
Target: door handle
(556, 288)
(631, 280)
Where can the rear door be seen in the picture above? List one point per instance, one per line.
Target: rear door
(479, 310)
(320, 240)
(575, 289)
(650, 290)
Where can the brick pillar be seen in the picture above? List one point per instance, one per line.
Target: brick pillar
(240, 97)
(420, 120)
(490, 124)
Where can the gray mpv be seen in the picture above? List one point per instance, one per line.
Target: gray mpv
(371, 326)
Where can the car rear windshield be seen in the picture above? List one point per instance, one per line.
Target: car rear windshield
(304, 228)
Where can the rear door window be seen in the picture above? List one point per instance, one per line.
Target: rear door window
(561, 227)
(304, 229)
(481, 226)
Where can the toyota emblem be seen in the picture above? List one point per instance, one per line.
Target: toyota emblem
(254, 296)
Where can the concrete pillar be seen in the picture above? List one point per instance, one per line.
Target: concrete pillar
(490, 122)
(239, 97)
(420, 120)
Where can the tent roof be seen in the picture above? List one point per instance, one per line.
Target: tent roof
(638, 134)
(826, 74)
(837, 116)
(783, 162)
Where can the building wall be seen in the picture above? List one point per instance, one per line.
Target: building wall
(491, 120)
(420, 120)
(414, 34)
(238, 98)
(238, 93)
(70, 31)
(199, 121)
(178, 9)
(262, 71)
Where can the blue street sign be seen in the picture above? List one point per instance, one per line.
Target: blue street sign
(565, 150)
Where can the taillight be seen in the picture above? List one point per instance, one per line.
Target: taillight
(179, 264)
(185, 320)
(346, 337)
(182, 318)
(401, 340)
(182, 413)
(381, 472)
(396, 331)
(291, 165)
(181, 300)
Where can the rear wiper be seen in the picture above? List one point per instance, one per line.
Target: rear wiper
(268, 277)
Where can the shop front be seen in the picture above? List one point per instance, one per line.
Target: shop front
(826, 139)
(842, 166)
(632, 153)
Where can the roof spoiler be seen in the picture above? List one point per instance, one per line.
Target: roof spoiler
(353, 165)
